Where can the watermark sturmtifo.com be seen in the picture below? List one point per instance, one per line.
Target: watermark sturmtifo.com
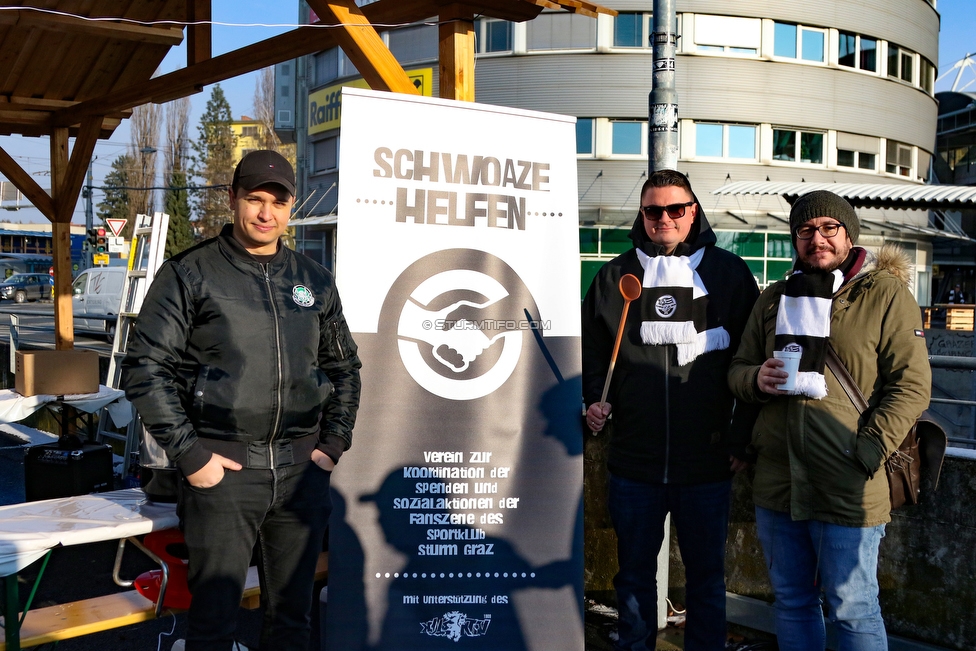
(486, 324)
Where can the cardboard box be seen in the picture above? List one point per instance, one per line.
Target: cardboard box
(56, 372)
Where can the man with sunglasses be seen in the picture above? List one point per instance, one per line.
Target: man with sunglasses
(675, 438)
(821, 496)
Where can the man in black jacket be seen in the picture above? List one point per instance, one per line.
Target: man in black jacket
(244, 371)
(674, 442)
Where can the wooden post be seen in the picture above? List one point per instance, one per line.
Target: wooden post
(456, 53)
(64, 337)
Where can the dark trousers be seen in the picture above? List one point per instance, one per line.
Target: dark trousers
(285, 511)
(700, 513)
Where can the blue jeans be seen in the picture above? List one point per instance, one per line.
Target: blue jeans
(846, 560)
(700, 513)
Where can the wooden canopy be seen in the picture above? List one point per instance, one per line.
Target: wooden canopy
(77, 68)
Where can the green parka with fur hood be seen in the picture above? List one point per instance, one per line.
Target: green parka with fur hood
(820, 459)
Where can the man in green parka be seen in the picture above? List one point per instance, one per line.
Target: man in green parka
(820, 492)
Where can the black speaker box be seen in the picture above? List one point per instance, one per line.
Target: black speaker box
(62, 470)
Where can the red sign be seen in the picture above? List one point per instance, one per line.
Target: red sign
(116, 225)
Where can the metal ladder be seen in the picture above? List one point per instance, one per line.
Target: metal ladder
(145, 258)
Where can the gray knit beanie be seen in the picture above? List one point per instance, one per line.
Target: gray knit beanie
(823, 203)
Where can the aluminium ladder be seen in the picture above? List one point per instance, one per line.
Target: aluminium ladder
(145, 258)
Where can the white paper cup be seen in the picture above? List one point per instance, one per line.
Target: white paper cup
(791, 364)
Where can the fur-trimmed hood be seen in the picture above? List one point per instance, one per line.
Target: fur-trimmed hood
(893, 259)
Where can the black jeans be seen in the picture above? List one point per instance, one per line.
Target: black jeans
(286, 511)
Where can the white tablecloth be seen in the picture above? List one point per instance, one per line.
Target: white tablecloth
(15, 407)
(28, 530)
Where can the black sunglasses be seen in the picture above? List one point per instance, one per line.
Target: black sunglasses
(674, 210)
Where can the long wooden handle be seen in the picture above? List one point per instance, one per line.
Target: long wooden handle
(616, 349)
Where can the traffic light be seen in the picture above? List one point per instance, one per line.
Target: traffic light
(101, 241)
(91, 239)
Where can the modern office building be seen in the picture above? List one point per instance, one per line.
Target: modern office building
(786, 91)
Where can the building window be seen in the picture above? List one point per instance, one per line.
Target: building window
(727, 34)
(416, 43)
(325, 66)
(560, 31)
(627, 137)
(768, 255)
(584, 136)
(926, 75)
(249, 132)
(631, 30)
(798, 146)
(799, 42)
(898, 159)
(493, 35)
(856, 51)
(858, 159)
(900, 63)
(325, 154)
(736, 141)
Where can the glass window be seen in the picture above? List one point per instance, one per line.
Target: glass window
(742, 141)
(899, 158)
(584, 136)
(784, 40)
(807, 148)
(708, 140)
(812, 45)
(869, 54)
(866, 161)
(416, 43)
(926, 75)
(779, 246)
(727, 34)
(784, 145)
(615, 240)
(325, 154)
(326, 66)
(589, 240)
(907, 58)
(845, 157)
(847, 49)
(561, 31)
(628, 30)
(627, 137)
(811, 147)
(493, 35)
(778, 270)
(748, 244)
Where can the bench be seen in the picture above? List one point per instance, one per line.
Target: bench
(85, 616)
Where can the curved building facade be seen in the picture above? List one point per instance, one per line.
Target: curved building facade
(790, 91)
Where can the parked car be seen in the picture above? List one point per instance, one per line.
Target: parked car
(25, 287)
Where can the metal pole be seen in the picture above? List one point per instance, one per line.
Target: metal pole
(86, 258)
(663, 115)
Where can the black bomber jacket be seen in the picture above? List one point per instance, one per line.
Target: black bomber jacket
(228, 348)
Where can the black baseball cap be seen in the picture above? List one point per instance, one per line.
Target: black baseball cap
(262, 167)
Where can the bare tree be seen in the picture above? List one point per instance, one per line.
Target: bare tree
(176, 201)
(176, 155)
(264, 113)
(144, 125)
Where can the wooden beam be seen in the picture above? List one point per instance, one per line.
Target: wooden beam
(364, 46)
(199, 47)
(23, 182)
(168, 36)
(33, 118)
(456, 53)
(81, 153)
(64, 336)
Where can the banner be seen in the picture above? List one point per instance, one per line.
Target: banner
(457, 519)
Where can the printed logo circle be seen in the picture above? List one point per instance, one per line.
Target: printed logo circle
(302, 296)
(459, 318)
(665, 306)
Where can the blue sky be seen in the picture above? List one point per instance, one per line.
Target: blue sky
(957, 38)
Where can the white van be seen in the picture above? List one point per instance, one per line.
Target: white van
(97, 291)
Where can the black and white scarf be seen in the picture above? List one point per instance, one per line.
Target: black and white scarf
(673, 306)
(803, 324)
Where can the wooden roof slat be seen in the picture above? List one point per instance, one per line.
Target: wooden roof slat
(168, 36)
(34, 193)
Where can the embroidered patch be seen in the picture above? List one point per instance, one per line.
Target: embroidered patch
(793, 348)
(302, 295)
(920, 333)
(665, 306)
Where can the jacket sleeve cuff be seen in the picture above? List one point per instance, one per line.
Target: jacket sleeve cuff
(193, 459)
(868, 454)
(333, 445)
